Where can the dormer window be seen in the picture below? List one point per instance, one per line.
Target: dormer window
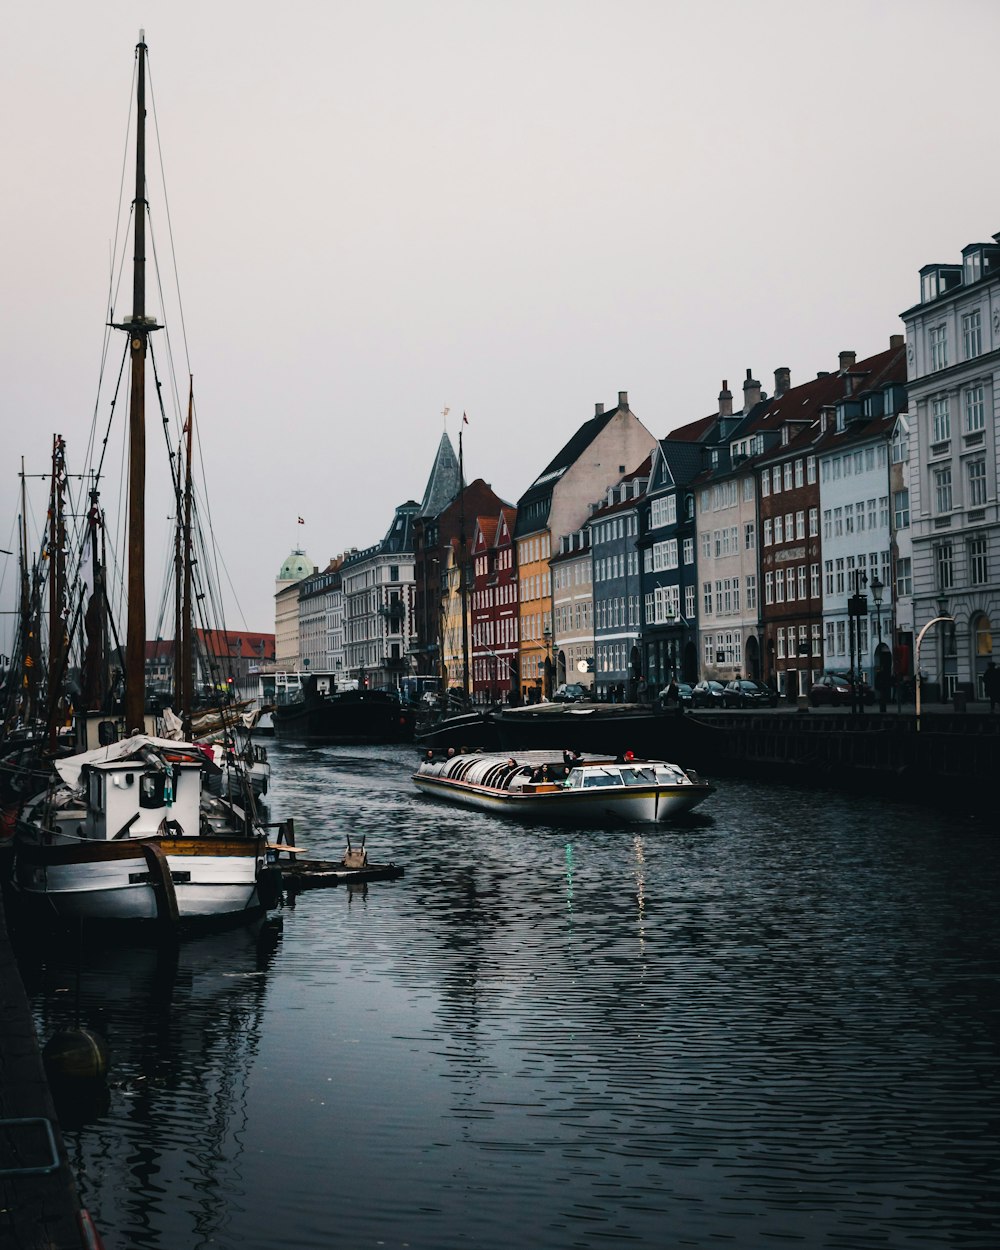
(972, 267)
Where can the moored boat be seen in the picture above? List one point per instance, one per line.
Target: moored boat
(126, 833)
(545, 786)
(320, 712)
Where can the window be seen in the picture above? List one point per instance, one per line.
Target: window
(976, 477)
(944, 566)
(937, 342)
(972, 334)
(828, 576)
(827, 522)
(811, 470)
(900, 443)
(779, 587)
(838, 522)
(751, 599)
(802, 581)
(901, 509)
(750, 536)
(849, 518)
(689, 605)
(800, 525)
(769, 588)
(942, 488)
(940, 421)
(776, 479)
(765, 483)
(788, 475)
(817, 641)
(975, 411)
(904, 576)
(814, 522)
(689, 551)
(813, 581)
(706, 597)
(780, 635)
(799, 475)
(978, 560)
(840, 575)
(779, 529)
(768, 538)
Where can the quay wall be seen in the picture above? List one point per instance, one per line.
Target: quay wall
(951, 760)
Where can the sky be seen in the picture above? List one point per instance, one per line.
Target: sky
(380, 210)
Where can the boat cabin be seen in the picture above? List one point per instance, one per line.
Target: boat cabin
(133, 799)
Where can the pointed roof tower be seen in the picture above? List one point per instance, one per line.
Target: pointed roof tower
(444, 483)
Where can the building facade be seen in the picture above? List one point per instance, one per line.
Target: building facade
(953, 377)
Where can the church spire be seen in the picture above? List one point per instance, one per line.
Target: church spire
(445, 481)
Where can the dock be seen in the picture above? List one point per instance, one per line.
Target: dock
(39, 1205)
(298, 873)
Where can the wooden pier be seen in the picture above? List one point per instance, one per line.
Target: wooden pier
(298, 873)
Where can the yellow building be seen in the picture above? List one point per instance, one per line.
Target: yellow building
(557, 503)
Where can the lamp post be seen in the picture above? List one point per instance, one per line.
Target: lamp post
(857, 607)
(878, 590)
(940, 619)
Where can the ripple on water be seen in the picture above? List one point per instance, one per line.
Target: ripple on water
(775, 1024)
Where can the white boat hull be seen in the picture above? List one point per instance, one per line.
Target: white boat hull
(102, 883)
(553, 803)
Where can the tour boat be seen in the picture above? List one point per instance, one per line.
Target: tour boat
(546, 786)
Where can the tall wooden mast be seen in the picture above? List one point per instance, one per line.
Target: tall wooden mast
(463, 589)
(138, 329)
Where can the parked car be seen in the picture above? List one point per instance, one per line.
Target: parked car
(569, 692)
(707, 693)
(684, 694)
(747, 693)
(833, 690)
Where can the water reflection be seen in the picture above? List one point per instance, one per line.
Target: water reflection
(157, 1149)
(776, 1023)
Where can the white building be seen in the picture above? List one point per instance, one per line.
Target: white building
(378, 589)
(953, 358)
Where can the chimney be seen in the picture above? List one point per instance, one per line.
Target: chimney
(751, 392)
(782, 381)
(623, 400)
(896, 341)
(598, 410)
(725, 400)
(847, 360)
(823, 373)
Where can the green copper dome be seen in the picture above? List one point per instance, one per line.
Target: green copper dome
(296, 566)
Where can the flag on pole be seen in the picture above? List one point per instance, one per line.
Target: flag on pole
(302, 520)
(465, 419)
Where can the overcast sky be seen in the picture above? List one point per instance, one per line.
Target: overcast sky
(512, 209)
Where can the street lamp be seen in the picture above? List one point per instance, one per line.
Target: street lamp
(878, 590)
(940, 619)
(857, 607)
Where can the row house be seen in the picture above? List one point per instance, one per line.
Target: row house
(321, 620)
(796, 605)
(378, 589)
(494, 608)
(667, 554)
(558, 503)
(617, 586)
(857, 517)
(953, 378)
(726, 534)
(573, 609)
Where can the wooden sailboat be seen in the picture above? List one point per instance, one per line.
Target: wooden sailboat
(128, 830)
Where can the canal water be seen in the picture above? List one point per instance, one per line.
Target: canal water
(775, 1025)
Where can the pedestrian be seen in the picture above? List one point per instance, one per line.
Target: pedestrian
(991, 684)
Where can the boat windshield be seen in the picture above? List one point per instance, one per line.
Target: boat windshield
(602, 777)
(645, 776)
(668, 775)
